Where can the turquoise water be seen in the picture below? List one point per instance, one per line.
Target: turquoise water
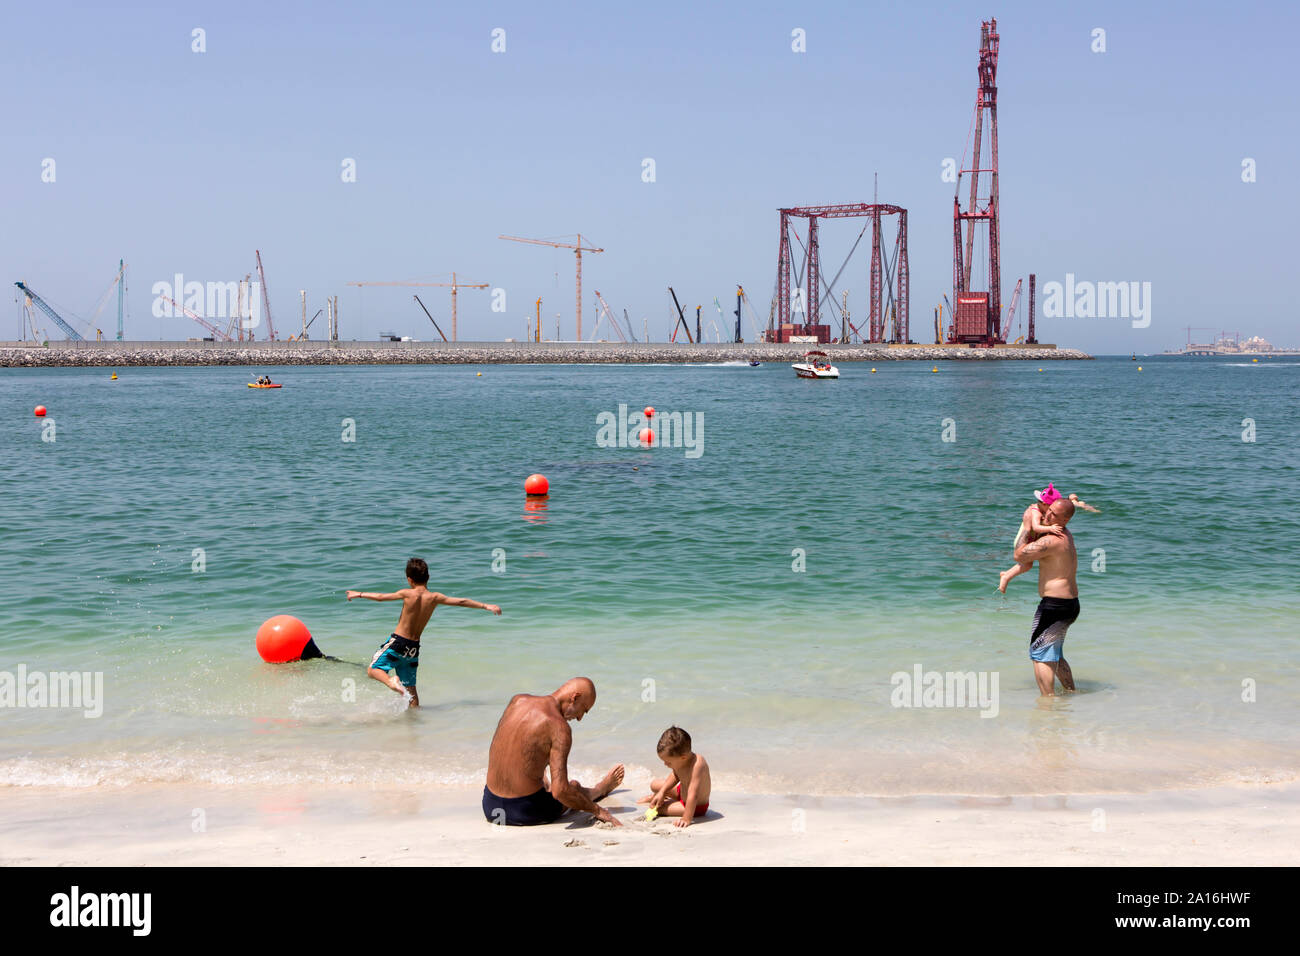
(667, 579)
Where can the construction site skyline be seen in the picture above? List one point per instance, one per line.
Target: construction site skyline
(674, 162)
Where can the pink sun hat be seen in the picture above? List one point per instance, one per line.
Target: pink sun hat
(1048, 494)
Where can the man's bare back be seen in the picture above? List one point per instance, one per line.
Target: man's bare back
(532, 738)
(521, 746)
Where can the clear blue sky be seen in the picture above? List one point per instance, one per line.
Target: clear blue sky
(1124, 165)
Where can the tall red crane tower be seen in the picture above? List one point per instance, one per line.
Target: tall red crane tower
(978, 318)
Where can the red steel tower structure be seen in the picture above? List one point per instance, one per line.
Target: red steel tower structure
(978, 319)
(812, 271)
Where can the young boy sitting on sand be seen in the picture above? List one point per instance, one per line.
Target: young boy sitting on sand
(398, 657)
(1032, 528)
(690, 773)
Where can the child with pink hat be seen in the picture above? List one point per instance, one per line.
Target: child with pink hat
(1032, 527)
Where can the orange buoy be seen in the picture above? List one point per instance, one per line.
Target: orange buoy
(649, 411)
(537, 485)
(284, 638)
(646, 436)
(40, 411)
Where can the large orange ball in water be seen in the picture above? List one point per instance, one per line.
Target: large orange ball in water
(536, 485)
(40, 411)
(284, 638)
(646, 436)
(649, 411)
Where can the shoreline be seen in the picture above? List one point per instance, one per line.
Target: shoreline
(1255, 824)
(169, 354)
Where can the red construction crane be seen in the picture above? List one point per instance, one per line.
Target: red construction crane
(978, 320)
(453, 285)
(578, 249)
(813, 276)
(217, 333)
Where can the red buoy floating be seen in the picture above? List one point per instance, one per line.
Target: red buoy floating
(40, 411)
(649, 411)
(537, 486)
(646, 436)
(284, 638)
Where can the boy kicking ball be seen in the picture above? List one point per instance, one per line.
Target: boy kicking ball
(398, 657)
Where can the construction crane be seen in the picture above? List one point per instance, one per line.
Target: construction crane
(454, 285)
(681, 320)
(743, 296)
(604, 308)
(29, 319)
(266, 299)
(631, 334)
(718, 305)
(578, 248)
(303, 334)
(217, 333)
(118, 282)
(1011, 310)
(426, 312)
(979, 322)
(236, 326)
(72, 334)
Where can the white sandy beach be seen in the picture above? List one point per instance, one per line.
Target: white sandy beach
(1247, 825)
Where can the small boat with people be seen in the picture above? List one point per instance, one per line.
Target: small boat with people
(816, 365)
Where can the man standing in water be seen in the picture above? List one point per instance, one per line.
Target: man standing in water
(1059, 605)
(532, 737)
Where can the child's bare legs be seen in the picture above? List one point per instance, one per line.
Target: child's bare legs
(1010, 573)
(389, 679)
(655, 786)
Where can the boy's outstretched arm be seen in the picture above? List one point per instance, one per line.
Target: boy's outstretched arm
(376, 596)
(466, 602)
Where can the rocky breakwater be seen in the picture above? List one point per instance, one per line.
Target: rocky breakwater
(271, 354)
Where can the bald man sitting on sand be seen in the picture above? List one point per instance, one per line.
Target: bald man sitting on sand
(532, 737)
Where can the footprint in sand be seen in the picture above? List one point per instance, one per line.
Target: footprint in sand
(575, 842)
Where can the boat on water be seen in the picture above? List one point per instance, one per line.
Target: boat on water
(755, 364)
(816, 365)
(252, 385)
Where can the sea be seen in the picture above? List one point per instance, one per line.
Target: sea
(803, 575)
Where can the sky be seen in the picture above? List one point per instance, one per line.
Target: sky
(1117, 166)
